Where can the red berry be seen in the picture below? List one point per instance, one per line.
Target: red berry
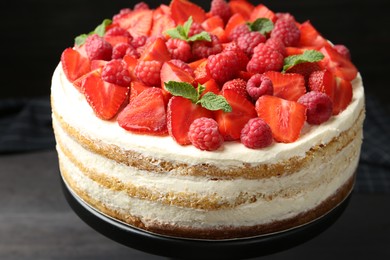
(287, 31)
(277, 44)
(184, 66)
(256, 134)
(319, 107)
(179, 49)
(195, 29)
(116, 72)
(220, 8)
(264, 59)
(322, 81)
(224, 66)
(249, 41)
(203, 49)
(97, 48)
(259, 85)
(131, 51)
(118, 31)
(238, 31)
(204, 134)
(141, 6)
(139, 41)
(343, 50)
(238, 85)
(120, 50)
(148, 72)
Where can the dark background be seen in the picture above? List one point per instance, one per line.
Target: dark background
(34, 33)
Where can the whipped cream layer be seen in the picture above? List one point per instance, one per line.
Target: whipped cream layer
(74, 109)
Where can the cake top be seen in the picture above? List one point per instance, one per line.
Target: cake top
(237, 73)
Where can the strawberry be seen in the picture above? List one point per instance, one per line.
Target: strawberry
(104, 98)
(242, 7)
(137, 23)
(289, 86)
(261, 11)
(342, 95)
(171, 72)
(322, 81)
(181, 112)
(339, 65)
(131, 63)
(201, 72)
(305, 69)
(234, 21)
(310, 37)
(74, 64)
(136, 87)
(286, 118)
(231, 123)
(146, 114)
(181, 10)
(156, 51)
(212, 23)
(210, 86)
(161, 23)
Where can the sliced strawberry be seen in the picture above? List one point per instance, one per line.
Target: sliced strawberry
(137, 23)
(104, 98)
(131, 63)
(305, 69)
(201, 73)
(156, 50)
(181, 10)
(234, 21)
(242, 7)
(294, 51)
(339, 65)
(211, 86)
(286, 118)
(98, 64)
(231, 123)
(342, 95)
(74, 64)
(322, 81)
(212, 22)
(136, 87)
(161, 23)
(289, 86)
(78, 83)
(220, 33)
(310, 37)
(181, 112)
(196, 63)
(116, 39)
(146, 114)
(261, 11)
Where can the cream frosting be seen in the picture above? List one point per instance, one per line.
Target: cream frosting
(72, 106)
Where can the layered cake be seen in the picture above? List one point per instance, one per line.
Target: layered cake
(232, 122)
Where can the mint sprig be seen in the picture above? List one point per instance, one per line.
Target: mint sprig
(306, 56)
(261, 25)
(182, 32)
(209, 100)
(99, 30)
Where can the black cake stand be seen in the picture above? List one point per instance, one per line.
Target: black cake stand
(180, 248)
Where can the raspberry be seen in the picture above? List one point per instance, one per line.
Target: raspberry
(195, 29)
(184, 66)
(220, 8)
(259, 85)
(319, 107)
(119, 50)
(264, 59)
(179, 49)
(141, 6)
(256, 134)
(287, 31)
(203, 49)
(238, 31)
(277, 45)
(148, 72)
(285, 16)
(97, 48)
(343, 50)
(225, 66)
(116, 72)
(240, 55)
(249, 41)
(238, 85)
(139, 41)
(131, 51)
(204, 134)
(118, 31)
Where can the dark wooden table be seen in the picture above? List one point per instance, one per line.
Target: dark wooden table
(37, 223)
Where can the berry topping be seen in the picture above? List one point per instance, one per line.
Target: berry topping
(181, 10)
(249, 41)
(259, 85)
(319, 107)
(343, 50)
(120, 50)
(338, 64)
(238, 31)
(289, 86)
(287, 31)
(74, 64)
(116, 72)
(322, 81)
(204, 135)
(238, 85)
(179, 49)
(221, 9)
(277, 45)
(203, 49)
(148, 72)
(184, 66)
(256, 134)
(97, 48)
(264, 59)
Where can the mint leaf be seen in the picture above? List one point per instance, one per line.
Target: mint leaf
(307, 56)
(203, 36)
(175, 33)
(80, 40)
(99, 30)
(182, 89)
(181, 32)
(214, 102)
(187, 26)
(261, 25)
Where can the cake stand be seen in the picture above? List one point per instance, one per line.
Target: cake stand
(179, 248)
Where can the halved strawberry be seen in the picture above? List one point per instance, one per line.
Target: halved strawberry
(74, 64)
(157, 50)
(261, 11)
(322, 81)
(116, 39)
(136, 88)
(305, 69)
(233, 22)
(161, 23)
(131, 63)
(181, 112)
(201, 73)
(310, 37)
(104, 98)
(193, 65)
(231, 123)
(146, 114)
(339, 65)
(171, 72)
(78, 83)
(211, 86)
(181, 10)
(212, 22)
(137, 23)
(286, 118)
(342, 95)
(289, 86)
(98, 64)
(242, 7)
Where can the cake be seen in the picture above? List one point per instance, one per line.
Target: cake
(230, 123)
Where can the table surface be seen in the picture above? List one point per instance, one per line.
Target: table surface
(37, 223)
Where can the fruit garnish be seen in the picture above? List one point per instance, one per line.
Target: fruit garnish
(286, 118)
(204, 134)
(220, 8)
(116, 72)
(319, 107)
(74, 64)
(287, 31)
(137, 23)
(289, 86)
(97, 48)
(182, 32)
(256, 134)
(238, 85)
(310, 37)
(261, 25)
(265, 59)
(242, 7)
(181, 10)
(99, 30)
(146, 114)
(261, 11)
(306, 56)
(322, 81)
(342, 95)
(259, 85)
